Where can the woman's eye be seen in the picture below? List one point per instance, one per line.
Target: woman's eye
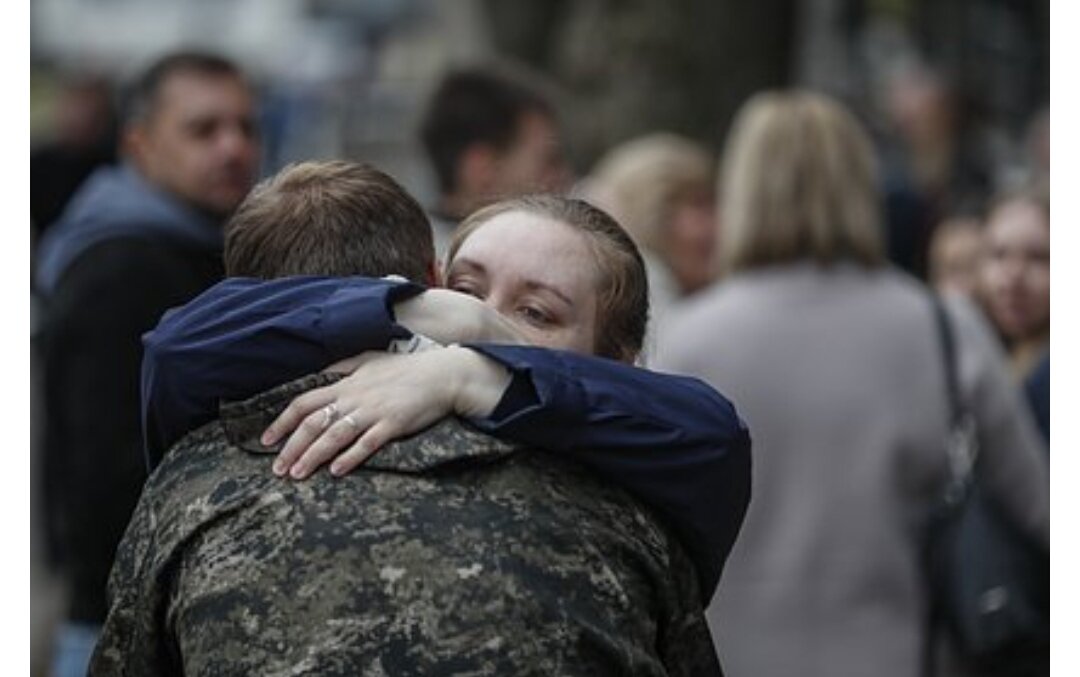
(535, 315)
(464, 288)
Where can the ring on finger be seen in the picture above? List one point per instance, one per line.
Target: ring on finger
(348, 418)
(329, 413)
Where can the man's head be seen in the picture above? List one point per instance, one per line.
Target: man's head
(329, 218)
(190, 129)
(489, 138)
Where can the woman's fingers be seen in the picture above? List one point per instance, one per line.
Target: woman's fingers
(307, 432)
(371, 441)
(332, 440)
(414, 391)
(298, 411)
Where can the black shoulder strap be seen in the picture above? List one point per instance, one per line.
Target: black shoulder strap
(961, 448)
(947, 344)
(948, 349)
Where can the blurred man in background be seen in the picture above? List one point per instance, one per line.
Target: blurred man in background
(135, 240)
(488, 137)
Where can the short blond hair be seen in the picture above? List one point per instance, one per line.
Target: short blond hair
(798, 182)
(640, 181)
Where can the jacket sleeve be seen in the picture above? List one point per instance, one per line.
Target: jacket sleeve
(1012, 462)
(672, 441)
(243, 336)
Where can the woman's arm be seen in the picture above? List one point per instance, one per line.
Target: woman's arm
(386, 397)
(1012, 464)
(673, 441)
(243, 336)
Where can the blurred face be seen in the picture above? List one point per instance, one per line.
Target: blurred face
(692, 241)
(200, 142)
(534, 163)
(920, 108)
(537, 272)
(955, 254)
(1015, 276)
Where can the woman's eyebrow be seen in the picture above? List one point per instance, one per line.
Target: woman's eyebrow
(478, 268)
(473, 266)
(534, 285)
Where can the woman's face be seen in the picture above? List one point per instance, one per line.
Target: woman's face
(1015, 275)
(538, 272)
(692, 236)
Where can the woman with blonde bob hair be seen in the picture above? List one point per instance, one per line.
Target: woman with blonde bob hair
(835, 360)
(661, 188)
(799, 183)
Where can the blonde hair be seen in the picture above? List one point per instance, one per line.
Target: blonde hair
(798, 182)
(622, 309)
(640, 181)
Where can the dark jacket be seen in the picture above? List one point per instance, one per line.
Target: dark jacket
(449, 552)
(110, 289)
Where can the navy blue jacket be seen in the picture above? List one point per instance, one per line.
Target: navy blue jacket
(671, 440)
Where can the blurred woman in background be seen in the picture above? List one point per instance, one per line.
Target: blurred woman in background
(955, 254)
(660, 188)
(834, 360)
(1014, 278)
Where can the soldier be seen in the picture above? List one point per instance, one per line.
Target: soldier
(450, 551)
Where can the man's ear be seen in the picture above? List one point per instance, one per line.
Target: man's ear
(434, 278)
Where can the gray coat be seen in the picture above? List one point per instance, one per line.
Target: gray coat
(838, 375)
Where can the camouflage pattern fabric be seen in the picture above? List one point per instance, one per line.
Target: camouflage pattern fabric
(449, 552)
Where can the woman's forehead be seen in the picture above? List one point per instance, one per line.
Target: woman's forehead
(531, 246)
(526, 237)
(1018, 221)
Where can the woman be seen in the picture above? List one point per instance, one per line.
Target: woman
(660, 187)
(835, 362)
(955, 252)
(548, 285)
(562, 275)
(1014, 277)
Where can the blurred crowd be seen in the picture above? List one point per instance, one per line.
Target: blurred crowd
(790, 268)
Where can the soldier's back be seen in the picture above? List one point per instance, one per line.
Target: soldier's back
(448, 553)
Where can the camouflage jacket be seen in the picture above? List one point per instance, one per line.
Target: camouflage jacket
(449, 552)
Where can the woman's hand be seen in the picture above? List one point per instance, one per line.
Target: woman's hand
(387, 397)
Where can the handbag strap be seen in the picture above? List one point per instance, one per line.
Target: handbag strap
(962, 451)
(961, 445)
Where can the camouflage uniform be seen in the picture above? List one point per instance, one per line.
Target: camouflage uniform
(447, 553)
